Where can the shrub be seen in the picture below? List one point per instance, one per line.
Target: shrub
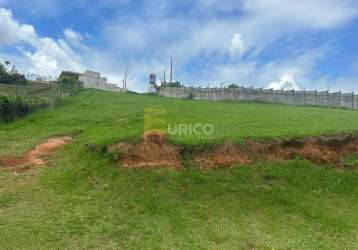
(12, 107)
(69, 85)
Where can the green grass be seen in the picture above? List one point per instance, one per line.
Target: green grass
(105, 117)
(82, 200)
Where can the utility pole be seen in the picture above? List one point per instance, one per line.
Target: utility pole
(164, 75)
(125, 79)
(171, 70)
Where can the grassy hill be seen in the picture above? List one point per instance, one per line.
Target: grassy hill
(83, 200)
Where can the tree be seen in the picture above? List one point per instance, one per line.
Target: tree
(69, 85)
(8, 78)
(171, 84)
(232, 86)
(2, 69)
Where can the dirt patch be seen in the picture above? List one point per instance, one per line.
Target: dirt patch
(321, 150)
(152, 152)
(36, 157)
(220, 156)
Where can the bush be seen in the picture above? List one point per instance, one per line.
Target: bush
(69, 85)
(13, 107)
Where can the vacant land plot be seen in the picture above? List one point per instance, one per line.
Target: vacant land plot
(82, 199)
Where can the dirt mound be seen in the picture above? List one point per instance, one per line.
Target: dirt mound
(322, 150)
(154, 137)
(35, 157)
(152, 152)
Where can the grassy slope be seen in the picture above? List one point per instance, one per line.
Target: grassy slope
(83, 200)
(107, 117)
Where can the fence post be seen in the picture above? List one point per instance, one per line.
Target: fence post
(294, 96)
(353, 104)
(328, 101)
(216, 93)
(304, 97)
(315, 97)
(339, 99)
(199, 93)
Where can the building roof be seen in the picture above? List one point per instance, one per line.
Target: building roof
(69, 74)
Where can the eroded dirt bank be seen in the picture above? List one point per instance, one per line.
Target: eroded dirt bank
(35, 157)
(154, 150)
(329, 150)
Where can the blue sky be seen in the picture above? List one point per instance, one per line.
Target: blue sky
(302, 44)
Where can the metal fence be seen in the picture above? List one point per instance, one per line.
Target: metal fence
(50, 91)
(314, 98)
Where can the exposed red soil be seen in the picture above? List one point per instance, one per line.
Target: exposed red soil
(155, 151)
(321, 150)
(152, 152)
(154, 137)
(36, 157)
(220, 156)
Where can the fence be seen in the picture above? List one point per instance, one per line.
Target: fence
(48, 91)
(315, 98)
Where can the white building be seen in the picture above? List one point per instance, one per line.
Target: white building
(93, 80)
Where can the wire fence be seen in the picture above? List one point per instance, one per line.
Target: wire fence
(293, 97)
(39, 90)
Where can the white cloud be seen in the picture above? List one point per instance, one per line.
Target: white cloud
(73, 37)
(51, 57)
(261, 23)
(207, 43)
(42, 55)
(12, 32)
(287, 82)
(300, 65)
(313, 14)
(237, 46)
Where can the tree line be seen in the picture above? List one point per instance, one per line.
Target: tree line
(11, 76)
